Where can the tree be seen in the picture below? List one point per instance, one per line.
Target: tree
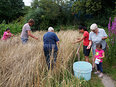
(93, 7)
(35, 4)
(45, 13)
(10, 9)
(87, 6)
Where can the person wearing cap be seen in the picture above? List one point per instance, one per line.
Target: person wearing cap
(97, 35)
(26, 31)
(50, 40)
(7, 34)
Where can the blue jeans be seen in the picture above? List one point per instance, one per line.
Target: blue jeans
(24, 41)
(47, 54)
(99, 67)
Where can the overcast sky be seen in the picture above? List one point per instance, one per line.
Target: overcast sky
(27, 2)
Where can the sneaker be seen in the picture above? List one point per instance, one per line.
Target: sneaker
(100, 75)
(97, 73)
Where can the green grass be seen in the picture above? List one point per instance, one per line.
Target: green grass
(67, 79)
(110, 70)
(95, 81)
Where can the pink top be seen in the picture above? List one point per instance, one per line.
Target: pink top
(5, 36)
(99, 53)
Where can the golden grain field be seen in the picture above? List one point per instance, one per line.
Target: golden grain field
(25, 66)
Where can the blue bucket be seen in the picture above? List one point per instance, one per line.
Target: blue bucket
(82, 69)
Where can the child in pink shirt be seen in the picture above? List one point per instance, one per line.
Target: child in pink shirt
(99, 55)
(7, 34)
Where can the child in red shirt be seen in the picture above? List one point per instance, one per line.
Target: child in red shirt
(85, 39)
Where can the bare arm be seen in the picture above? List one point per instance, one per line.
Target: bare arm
(12, 35)
(29, 33)
(89, 46)
(57, 42)
(103, 55)
(79, 40)
(9, 34)
(103, 38)
(94, 58)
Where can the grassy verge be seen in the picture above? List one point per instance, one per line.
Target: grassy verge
(110, 70)
(95, 81)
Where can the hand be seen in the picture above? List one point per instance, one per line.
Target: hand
(98, 58)
(78, 38)
(36, 38)
(88, 47)
(103, 38)
(73, 42)
(13, 35)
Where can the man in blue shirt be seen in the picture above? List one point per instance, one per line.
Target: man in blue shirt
(50, 40)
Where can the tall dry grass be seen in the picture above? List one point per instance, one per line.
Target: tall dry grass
(25, 66)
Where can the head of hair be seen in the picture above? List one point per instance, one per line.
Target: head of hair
(31, 21)
(50, 29)
(82, 27)
(99, 45)
(7, 29)
(93, 26)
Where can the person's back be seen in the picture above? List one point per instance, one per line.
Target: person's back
(50, 40)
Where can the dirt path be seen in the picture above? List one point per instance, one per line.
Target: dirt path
(108, 82)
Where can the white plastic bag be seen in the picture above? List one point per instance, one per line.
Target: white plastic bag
(97, 61)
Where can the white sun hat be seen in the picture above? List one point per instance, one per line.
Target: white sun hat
(50, 29)
(93, 26)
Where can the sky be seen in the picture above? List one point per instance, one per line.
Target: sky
(27, 2)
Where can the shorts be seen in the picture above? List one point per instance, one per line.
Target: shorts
(86, 51)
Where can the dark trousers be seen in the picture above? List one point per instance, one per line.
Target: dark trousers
(48, 54)
(99, 67)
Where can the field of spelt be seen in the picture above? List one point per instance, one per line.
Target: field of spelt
(25, 66)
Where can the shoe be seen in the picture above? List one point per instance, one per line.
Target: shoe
(100, 75)
(97, 73)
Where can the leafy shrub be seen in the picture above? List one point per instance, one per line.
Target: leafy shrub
(45, 15)
(48, 13)
(14, 28)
